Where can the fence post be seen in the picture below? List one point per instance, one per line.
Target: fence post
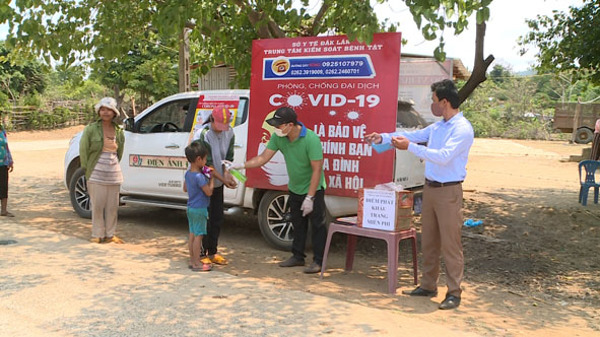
(576, 119)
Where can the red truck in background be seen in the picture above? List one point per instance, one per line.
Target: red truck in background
(579, 117)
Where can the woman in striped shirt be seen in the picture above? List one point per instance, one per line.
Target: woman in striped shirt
(100, 150)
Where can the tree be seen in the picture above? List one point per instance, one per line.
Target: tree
(19, 75)
(567, 41)
(148, 69)
(223, 29)
(499, 74)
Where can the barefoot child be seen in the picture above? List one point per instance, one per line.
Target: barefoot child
(199, 185)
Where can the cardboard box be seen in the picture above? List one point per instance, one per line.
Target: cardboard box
(384, 210)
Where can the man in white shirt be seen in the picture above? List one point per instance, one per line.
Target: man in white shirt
(448, 143)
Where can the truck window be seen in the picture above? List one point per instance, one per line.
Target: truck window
(242, 114)
(169, 117)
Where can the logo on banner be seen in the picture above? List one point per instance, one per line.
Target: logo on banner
(280, 66)
(163, 162)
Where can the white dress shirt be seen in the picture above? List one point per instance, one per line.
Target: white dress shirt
(447, 150)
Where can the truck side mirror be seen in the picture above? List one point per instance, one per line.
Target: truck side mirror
(129, 122)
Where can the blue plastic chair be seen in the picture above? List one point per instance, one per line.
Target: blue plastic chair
(591, 167)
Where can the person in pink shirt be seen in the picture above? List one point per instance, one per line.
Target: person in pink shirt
(595, 153)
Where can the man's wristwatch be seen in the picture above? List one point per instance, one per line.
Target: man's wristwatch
(310, 197)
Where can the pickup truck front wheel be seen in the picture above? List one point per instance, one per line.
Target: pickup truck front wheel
(80, 199)
(275, 221)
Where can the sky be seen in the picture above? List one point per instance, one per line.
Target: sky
(506, 24)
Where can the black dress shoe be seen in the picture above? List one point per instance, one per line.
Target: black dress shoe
(292, 262)
(450, 302)
(313, 268)
(418, 291)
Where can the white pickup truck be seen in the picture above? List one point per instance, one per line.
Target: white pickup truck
(159, 134)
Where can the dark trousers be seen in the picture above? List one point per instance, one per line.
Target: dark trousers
(317, 219)
(3, 182)
(595, 153)
(215, 220)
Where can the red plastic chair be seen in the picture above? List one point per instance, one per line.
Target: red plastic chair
(589, 180)
(392, 238)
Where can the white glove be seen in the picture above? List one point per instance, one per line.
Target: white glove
(307, 206)
(229, 165)
(238, 166)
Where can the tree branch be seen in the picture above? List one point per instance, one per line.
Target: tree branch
(270, 30)
(262, 30)
(478, 75)
(276, 30)
(317, 22)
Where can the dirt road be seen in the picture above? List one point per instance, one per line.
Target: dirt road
(532, 269)
(98, 290)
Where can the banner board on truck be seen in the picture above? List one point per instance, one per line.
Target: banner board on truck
(341, 90)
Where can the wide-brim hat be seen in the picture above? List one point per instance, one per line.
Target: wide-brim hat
(108, 102)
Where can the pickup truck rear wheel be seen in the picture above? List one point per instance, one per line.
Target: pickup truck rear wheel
(275, 221)
(80, 199)
(584, 135)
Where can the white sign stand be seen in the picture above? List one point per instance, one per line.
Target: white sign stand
(379, 209)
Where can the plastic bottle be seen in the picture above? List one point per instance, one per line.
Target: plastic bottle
(238, 175)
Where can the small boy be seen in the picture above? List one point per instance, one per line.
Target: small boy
(199, 185)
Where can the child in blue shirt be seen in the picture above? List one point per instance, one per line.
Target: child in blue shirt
(199, 185)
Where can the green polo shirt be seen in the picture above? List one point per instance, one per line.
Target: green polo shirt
(298, 155)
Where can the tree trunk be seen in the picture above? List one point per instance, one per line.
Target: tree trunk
(184, 60)
(479, 68)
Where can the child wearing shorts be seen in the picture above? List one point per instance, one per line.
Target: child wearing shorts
(199, 186)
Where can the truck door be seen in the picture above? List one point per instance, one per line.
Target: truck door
(409, 169)
(154, 161)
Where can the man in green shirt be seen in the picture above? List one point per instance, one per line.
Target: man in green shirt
(303, 155)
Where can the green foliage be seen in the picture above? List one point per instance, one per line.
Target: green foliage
(87, 89)
(71, 30)
(567, 41)
(39, 119)
(4, 102)
(149, 69)
(19, 75)
(528, 129)
(34, 100)
(499, 74)
(512, 106)
(63, 115)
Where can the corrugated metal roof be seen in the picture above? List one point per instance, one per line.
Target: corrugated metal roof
(459, 71)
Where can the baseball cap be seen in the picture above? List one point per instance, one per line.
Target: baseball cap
(283, 115)
(221, 117)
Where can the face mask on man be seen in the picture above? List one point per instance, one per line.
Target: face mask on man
(281, 133)
(436, 109)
